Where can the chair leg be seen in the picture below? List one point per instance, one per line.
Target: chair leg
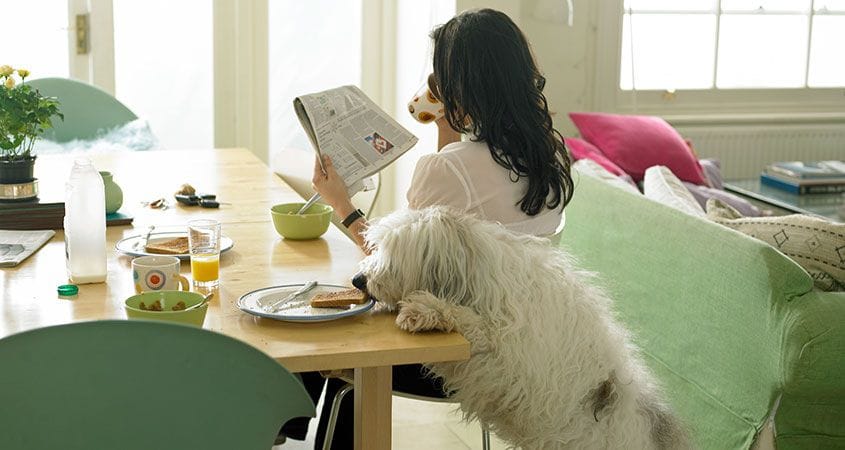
(485, 437)
(338, 398)
(327, 442)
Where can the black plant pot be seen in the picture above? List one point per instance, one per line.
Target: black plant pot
(16, 171)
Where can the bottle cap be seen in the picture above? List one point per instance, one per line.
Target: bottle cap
(68, 290)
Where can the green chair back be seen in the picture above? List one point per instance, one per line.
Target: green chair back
(141, 385)
(87, 109)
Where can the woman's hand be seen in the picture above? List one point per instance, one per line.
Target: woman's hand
(333, 191)
(331, 187)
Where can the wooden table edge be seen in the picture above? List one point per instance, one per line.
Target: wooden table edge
(456, 352)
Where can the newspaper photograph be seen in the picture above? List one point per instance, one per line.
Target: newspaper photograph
(346, 125)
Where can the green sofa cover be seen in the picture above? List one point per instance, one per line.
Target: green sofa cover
(732, 328)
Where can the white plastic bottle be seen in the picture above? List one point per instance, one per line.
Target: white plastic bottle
(85, 224)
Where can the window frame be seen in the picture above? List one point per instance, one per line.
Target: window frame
(695, 103)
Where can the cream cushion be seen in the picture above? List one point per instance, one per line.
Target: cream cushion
(662, 186)
(593, 169)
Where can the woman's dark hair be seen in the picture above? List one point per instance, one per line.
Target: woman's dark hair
(490, 86)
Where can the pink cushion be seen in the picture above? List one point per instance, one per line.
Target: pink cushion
(636, 143)
(581, 149)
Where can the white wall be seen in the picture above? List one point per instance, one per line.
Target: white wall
(565, 54)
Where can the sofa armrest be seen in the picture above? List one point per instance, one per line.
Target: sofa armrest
(729, 325)
(811, 413)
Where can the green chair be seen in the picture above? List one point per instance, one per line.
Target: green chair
(87, 109)
(348, 387)
(141, 385)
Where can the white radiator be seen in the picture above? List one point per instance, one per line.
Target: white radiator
(744, 150)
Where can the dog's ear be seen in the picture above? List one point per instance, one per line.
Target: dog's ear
(424, 249)
(446, 243)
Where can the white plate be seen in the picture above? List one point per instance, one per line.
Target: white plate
(298, 309)
(127, 245)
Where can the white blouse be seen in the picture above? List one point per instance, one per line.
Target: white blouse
(464, 175)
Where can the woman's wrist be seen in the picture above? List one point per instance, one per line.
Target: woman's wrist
(345, 209)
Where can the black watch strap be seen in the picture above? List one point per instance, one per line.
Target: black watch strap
(352, 217)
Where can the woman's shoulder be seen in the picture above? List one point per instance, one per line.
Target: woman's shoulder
(465, 152)
(462, 147)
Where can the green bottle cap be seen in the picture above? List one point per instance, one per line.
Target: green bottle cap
(68, 290)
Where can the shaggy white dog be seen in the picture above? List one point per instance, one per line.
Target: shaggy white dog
(550, 367)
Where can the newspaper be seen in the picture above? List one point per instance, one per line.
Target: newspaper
(16, 246)
(346, 125)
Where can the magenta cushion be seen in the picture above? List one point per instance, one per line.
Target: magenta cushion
(581, 149)
(635, 143)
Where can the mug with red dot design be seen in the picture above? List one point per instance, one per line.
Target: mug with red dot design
(158, 273)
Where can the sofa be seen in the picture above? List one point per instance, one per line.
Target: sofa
(749, 354)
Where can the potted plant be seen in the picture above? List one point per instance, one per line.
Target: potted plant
(24, 115)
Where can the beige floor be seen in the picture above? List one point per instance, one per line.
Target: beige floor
(420, 425)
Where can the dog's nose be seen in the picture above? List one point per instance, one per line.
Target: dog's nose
(360, 281)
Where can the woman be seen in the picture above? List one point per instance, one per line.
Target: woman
(513, 169)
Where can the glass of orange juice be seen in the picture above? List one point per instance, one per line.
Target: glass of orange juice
(204, 244)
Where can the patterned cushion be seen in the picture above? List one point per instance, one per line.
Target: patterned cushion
(815, 244)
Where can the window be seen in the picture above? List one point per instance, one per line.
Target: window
(414, 48)
(164, 72)
(313, 46)
(37, 38)
(730, 44)
(715, 56)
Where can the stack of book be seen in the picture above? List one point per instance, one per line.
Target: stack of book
(46, 212)
(44, 215)
(36, 214)
(796, 177)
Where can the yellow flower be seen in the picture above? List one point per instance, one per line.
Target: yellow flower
(10, 82)
(23, 73)
(6, 71)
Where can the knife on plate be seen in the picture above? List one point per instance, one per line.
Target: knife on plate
(275, 305)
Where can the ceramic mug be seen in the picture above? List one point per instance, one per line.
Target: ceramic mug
(424, 106)
(158, 273)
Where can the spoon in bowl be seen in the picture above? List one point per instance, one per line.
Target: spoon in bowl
(205, 299)
(308, 204)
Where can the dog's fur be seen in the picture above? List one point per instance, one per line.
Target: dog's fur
(550, 367)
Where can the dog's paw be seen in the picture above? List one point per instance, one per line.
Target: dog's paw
(384, 308)
(415, 317)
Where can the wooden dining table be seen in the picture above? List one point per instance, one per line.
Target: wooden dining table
(369, 343)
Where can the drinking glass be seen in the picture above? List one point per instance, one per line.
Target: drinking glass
(204, 244)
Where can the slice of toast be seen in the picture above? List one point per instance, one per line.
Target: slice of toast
(338, 299)
(177, 246)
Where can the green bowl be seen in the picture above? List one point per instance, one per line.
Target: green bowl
(190, 316)
(309, 225)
